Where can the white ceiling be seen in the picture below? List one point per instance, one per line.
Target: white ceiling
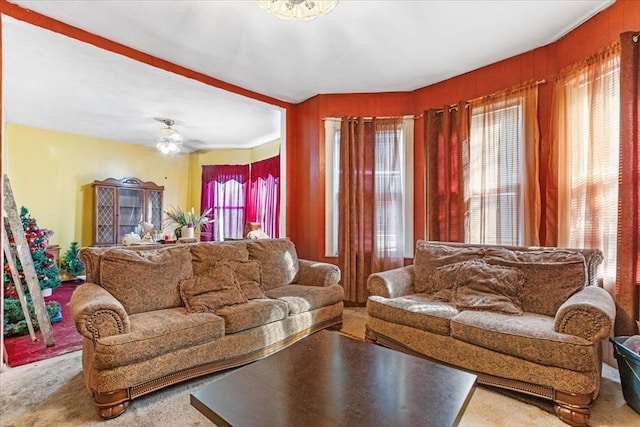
(54, 82)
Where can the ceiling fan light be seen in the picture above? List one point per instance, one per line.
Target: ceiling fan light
(300, 10)
(164, 149)
(168, 140)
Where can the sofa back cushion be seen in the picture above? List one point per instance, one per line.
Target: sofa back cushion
(430, 256)
(278, 259)
(91, 257)
(552, 275)
(207, 254)
(145, 280)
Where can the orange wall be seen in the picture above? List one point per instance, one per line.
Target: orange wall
(307, 174)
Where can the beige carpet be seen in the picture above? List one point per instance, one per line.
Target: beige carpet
(51, 393)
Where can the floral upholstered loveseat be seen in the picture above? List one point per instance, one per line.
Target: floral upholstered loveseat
(522, 318)
(153, 316)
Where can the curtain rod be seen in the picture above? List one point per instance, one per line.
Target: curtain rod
(337, 119)
(454, 107)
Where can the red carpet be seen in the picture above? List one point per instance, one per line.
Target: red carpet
(21, 350)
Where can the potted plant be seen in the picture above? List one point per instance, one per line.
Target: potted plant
(184, 223)
(70, 261)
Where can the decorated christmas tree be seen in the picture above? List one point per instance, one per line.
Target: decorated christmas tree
(71, 262)
(46, 271)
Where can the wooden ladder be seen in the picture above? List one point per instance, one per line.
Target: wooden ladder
(23, 253)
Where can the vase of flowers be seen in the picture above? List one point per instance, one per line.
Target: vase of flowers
(184, 222)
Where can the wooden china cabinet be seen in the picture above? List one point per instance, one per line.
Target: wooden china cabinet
(120, 205)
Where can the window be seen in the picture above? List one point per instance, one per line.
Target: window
(495, 173)
(589, 144)
(225, 191)
(228, 210)
(393, 186)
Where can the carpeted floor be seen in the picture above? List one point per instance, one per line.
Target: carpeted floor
(22, 350)
(52, 393)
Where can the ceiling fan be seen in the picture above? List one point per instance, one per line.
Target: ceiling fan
(169, 141)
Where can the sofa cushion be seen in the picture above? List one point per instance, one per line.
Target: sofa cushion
(208, 254)
(155, 333)
(301, 298)
(218, 287)
(430, 256)
(278, 258)
(415, 310)
(530, 337)
(552, 276)
(139, 279)
(254, 313)
(249, 275)
(481, 286)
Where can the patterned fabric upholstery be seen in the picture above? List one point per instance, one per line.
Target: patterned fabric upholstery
(301, 298)
(254, 313)
(139, 279)
(137, 333)
(278, 258)
(530, 337)
(207, 254)
(157, 332)
(552, 349)
(416, 310)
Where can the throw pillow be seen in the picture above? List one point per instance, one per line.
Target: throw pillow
(249, 276)
(145, 280)
(481, 286)
(278, 259)
(552, 276)
(430, 256)
(442, 283)
(215, 289)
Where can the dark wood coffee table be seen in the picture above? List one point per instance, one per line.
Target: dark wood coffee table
(331, 380)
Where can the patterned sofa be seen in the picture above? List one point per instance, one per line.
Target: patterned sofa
(153, 316)
(522, 318)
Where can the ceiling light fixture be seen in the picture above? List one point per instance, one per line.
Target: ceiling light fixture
(169, 140)
(299, 10)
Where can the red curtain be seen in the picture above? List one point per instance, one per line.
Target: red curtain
(628, 265)
(225, 191)
(446, 142)
(355, 207)
(263, 205)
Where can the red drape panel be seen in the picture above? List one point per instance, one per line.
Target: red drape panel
(355, 207)
(628, 265)
(263, 205)
(446, 138)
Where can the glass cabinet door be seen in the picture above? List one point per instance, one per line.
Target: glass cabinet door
(130, 211)
(104, 215)
(154, 209)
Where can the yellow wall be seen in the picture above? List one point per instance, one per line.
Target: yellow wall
(51, 174)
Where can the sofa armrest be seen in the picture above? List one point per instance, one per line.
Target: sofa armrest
(392, 283)
(97, 313)
(314, 273)
(589, 314)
